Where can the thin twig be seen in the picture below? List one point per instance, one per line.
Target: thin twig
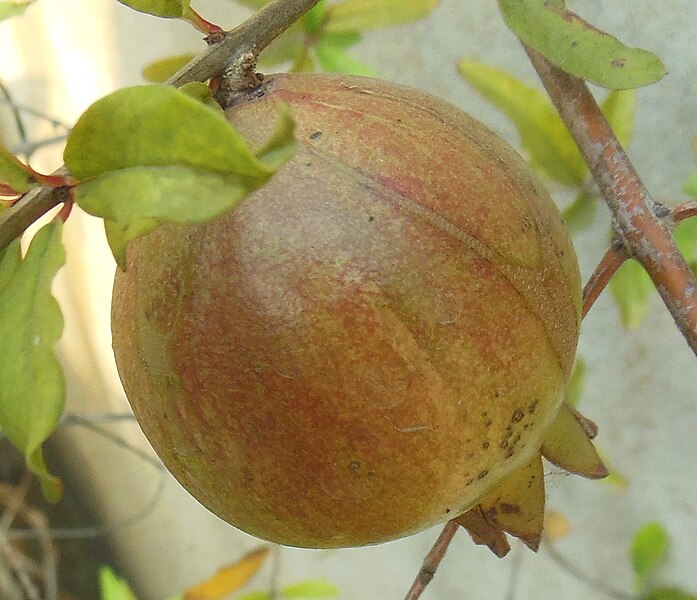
(611, 261)
(514, 577)
(636, 214)
(432, 560)
(597, 584)
(253, 35)
(684, 211)
(36, 113)
(16, 113)
(27, 148)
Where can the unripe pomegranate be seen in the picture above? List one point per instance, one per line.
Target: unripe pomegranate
(374, 342)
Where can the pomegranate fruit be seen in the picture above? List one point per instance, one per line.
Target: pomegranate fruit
(376, 341)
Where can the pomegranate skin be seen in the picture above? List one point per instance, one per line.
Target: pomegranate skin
(368, 343)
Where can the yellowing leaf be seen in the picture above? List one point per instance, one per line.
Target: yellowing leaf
(579, 48)
(483, 532)
(230, 578)
(12, 9)
(32, 389)
(542, 132)
(14, 173)
(161, 70)
(620, 108)
(361, 15)
(567, 445)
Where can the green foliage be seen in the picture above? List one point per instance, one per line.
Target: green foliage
(579, 48)
(574, 389)
(161, 70)
(543, 134)
(619, 109)
(361, 15)
(581, 213)
(169, 9)
(690, 185)
(13, 9)
(631, 288)
(15, 174)
(648, 550)
(113, 587)
(332, 57)
(32, 390)
(303, 590)
(148, 154)
(669, 593)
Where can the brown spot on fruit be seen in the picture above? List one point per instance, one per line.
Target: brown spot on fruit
(290, 342)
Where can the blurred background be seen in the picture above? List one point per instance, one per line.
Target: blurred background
(640, 386)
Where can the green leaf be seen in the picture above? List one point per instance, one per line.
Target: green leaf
(648, 550)
(620, 110)
(313, 20)
(579, 48)
(281, 146)
(580, 214)
(614, 478)
(156, 125)
(151, 154)
(14, 173)
(201, 92)
(13, 9)
(161, 70)
(312, 588)
(113, 587)
(685, 236)
(256, 596)
(32, 389)
(169, 9)
(542, 132)
(574, 388)
(334, 59)
(690, 185)
(630, 287)
(361, 15)
(666, 593)
(303, 62)
(255, 4)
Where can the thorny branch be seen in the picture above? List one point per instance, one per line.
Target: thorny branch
(638, 217)
(253, 36)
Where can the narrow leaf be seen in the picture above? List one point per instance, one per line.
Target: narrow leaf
(229, 579)
(334, 59)
(620, 110)
(631, 287)
(542, 132)
(579, 48)
(303, 62)
(279, 148)
(312, 588)
(313, 20)
(685, 235)
(648, 550)
(13, 9)
(113, 587)
(580, 214)
(574, 388)
(666, 593)
(14, 173)
(156, 125)
(32, 389)
(161, 70)
(361, 15)
(169, 9)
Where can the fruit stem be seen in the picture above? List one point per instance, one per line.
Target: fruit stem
(637, 215)
(432, 560)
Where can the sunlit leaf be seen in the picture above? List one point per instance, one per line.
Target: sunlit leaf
(32, 388)
(631, 287)
(312, 588)
(579, 48)
(648, 550)
(229, 579)
(170, 9)
(580, 214)
(542, 132)
(113, 587)
(13, 9)
(666, 593)
(334, 59)
(14, 173)
(361, 15)
(620, 110)
(150, 154)
(161, 70)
